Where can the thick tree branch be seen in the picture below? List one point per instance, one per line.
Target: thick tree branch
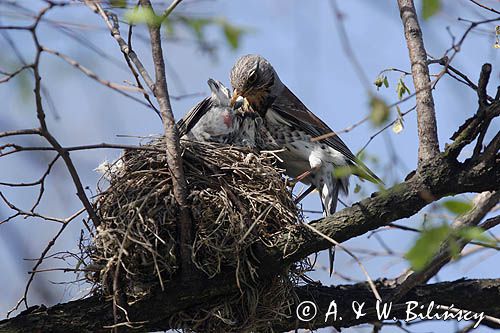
(463, 294)
(426, 119)
(94, 313)
(442, 178)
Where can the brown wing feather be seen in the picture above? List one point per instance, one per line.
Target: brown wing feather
(292, 109)
(297, 109)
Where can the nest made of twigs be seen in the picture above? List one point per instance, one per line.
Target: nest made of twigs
(236, 197)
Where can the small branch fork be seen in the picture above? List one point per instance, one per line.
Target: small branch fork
(484, 203)
(43, 129)
(445, 61)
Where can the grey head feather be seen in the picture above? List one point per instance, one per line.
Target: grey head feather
(252, 72)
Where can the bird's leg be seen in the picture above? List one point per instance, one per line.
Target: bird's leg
(306, 173)
(292, 182)
(304, 194)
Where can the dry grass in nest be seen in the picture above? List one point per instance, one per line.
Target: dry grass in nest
(237, 198)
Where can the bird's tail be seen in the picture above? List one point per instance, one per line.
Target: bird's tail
(329, 193)
(329, 197)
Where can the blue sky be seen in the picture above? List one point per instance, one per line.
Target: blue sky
(301, 40)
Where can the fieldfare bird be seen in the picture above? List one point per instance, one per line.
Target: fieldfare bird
(212, 119)
(295, 128)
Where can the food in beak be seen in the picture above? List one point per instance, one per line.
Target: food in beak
(234, 99)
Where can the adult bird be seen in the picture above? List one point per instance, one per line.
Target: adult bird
(295, 128)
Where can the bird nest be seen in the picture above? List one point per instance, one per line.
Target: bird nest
(237, 198)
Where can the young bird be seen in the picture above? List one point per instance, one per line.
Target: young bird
(211, 120)
(292, 126)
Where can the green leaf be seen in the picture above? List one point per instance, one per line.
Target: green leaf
(401, 88)
(426, 246)
(118, 3)
(357, 188)
(141, 15)
(475, 233)
(197, 25)
(399, 123)
(233, 34)
(342, 172)
(430, 8)
(381, 81)
(398, 126)
(386, 82)
(457, 207)
(379, 111)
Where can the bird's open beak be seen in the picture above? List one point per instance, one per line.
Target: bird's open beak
(236, 96)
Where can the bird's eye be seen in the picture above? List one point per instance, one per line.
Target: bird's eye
(252, 77)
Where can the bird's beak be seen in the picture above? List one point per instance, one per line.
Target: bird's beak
(236, 96)
(240, 101)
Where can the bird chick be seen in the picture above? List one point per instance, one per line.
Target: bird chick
(211, 120)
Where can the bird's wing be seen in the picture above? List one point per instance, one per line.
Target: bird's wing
(194, 115)
(293, 110)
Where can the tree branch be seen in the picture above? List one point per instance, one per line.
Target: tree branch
(112, 23)
(442, 178)
(426, 119)
(484, 203)
(485, 7)
(464, 294)
(44, 131)
(93, 313)
(174, 159)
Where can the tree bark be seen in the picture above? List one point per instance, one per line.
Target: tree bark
(426, 118)
(93, 314)
(174, 159)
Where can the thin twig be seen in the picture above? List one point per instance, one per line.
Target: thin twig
(171, 8)
(485, 202)
(40, 260)
(365, 272)
(485, 7)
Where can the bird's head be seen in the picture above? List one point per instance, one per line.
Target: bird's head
(221, 95)
(254, 78)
